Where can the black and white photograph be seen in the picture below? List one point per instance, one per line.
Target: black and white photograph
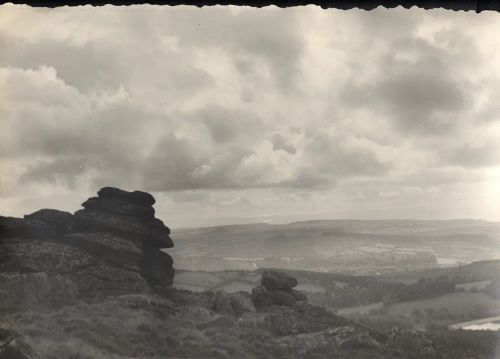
(226, 181)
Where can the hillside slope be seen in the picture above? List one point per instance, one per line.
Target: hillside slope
(96, 284)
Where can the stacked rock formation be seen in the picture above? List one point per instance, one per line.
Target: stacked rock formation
(112, 246)
(125, 221)
(276, 289)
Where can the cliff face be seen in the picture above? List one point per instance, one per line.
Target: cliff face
(112, 246)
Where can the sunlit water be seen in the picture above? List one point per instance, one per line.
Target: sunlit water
(483, 326)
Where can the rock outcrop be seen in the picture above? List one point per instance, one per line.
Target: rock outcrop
(112, 246)
(124, 223)
(276, 289)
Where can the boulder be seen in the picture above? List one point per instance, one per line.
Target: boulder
(273, 280)
(61, 221)
(313, 310)
(261, 297)
(281, 297)
(242, 303)
(299, 296)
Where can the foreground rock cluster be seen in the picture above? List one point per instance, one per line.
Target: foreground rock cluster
(112, 246)
(277, 289)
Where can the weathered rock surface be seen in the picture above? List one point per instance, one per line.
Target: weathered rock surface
(61, 221)
(273, 280)
(128, 214)
(156, 266)
(297, 294)
(118, 206)
(280, 297)
(137, 197)
(242, 303)
(24, 255)
(276, 289)
(262, 297)
(113, 246)
(153, 232)
(107, 246)
(26, 228)
(105, 279)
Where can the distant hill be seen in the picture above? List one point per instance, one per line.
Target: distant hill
(349, 246)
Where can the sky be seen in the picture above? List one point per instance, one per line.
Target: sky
(238, 115)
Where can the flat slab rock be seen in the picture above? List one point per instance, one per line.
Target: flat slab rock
(138, 197)
(115, 205)
(154, 232)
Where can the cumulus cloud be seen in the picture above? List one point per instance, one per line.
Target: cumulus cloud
(280, 142)
(261, 109)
